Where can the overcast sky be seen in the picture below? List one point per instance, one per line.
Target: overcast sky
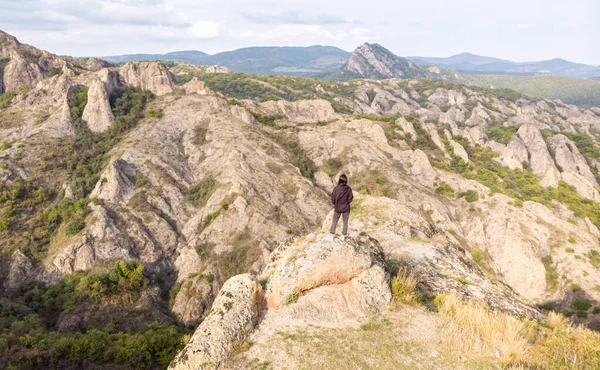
(522, 30)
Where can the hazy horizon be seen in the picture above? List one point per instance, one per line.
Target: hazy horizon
(514, 30)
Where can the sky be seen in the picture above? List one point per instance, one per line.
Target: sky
(524, 30)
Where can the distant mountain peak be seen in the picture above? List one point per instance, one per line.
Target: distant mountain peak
(377, 62)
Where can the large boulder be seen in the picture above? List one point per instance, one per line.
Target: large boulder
(151, 76)
(233, 314)
(194, 299)
(299, 267)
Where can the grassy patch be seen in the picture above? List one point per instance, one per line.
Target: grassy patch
(298, 156)
(200, 193)
(404, 286)
(6, 99)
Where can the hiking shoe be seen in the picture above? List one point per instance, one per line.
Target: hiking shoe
(329, 238)
(343, 237)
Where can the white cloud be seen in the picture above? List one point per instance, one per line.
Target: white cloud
(204, 30)
(523, 25)
(294, 31)
(360, 34)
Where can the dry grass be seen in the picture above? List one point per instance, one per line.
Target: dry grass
(469, 328)
(403, 287)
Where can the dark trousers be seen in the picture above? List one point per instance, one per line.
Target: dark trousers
(336, 217)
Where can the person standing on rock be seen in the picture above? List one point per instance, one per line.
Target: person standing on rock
(341, 197)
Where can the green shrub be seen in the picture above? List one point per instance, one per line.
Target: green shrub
(291, 298)
(551, 273)
(298, 156)
(6, 99)
(77, 100)
(239, 260)
(444, 189)
(200, 132)
(155, 112)
(469, 195)
(594, 257)
(74, 227)
(199, 194)
(500, 133)
(581, 304)
(477, 256)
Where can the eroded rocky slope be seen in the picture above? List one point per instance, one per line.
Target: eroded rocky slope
(490, 195)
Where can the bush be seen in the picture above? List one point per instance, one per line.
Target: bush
(551, 273)
(469, 195)
(500, 133)
(74, 227)
(581, 304)
(6, 99)
(240, 259)
(155, 112)
(298, 156)
(201, 192)
(477, 256)
(444, 189)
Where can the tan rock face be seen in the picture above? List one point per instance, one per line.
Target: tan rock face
(541, 162)
(574, 167)
(407, 127)
(194, 300)
(294, 269)
(233, 315)
(305, 111)
(151, 76)
(195, 86)
(21, 270)
(97, 112)
(459, 150)
(20, 73)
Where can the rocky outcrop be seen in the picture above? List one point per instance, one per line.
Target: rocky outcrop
(296, 268)
(479, 116)
(304, 111)
(459, 150)
(518, 149)
(375, 61)
(233, 314)
(151, 76)
(116, 183)
(540, 160)
(97, 112)
(407, 127)
(507, 156)
(195, 298)
(435, 136)
(20, 271)
(574, 167)
(96, 64)
(195, 86)
(19, 73)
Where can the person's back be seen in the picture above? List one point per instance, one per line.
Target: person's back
(341, 197)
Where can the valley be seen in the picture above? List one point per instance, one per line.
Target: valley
(161, 214)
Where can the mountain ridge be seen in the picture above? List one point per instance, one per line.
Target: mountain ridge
(472, 63)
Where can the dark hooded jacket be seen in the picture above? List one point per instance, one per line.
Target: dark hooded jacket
(341, 197)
